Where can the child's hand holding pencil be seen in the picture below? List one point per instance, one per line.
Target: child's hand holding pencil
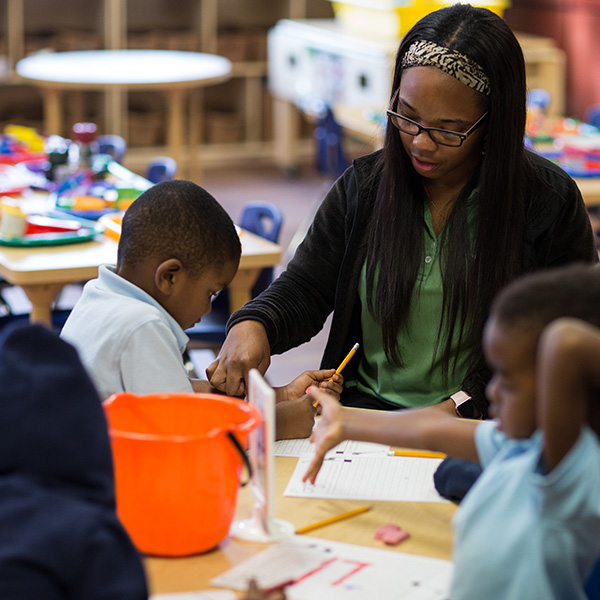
(295, 414)
(341, 367)
(325, 379)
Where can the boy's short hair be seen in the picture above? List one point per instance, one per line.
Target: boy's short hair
(178, 219)
(534, 301)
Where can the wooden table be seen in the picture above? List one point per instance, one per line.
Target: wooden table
(115, 71)
(43, 271)
(428, 524)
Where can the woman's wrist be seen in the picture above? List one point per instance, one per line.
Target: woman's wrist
(464, 406)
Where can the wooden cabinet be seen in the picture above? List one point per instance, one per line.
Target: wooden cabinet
(237, 121)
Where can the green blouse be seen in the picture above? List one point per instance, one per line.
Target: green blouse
(420, 381)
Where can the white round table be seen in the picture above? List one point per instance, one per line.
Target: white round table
(115, 71)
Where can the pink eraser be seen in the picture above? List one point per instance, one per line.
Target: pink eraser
(391, 534)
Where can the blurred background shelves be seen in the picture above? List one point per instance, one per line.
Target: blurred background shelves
(242, 121)
(236, 123)
(322, 60)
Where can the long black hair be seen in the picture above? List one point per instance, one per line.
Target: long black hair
(474, 266)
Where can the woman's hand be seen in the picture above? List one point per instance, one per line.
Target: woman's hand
(327, 433)
(320, 379)
(246, 347)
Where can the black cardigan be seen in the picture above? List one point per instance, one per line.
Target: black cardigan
(324, 274)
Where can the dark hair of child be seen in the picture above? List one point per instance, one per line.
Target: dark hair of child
(178, 219)
(534, 301)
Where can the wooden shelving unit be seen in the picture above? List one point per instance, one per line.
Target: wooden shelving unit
(237, 114)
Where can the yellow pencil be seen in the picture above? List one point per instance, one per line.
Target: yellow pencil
(340, 517)
(417, 453)
(343, 364)
(347, 359)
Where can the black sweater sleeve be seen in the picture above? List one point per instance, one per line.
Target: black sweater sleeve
(557, 232)
(295, 306)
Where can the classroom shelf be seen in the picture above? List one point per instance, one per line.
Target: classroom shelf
(241, 128)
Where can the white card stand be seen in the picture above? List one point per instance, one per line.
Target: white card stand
(262, 526)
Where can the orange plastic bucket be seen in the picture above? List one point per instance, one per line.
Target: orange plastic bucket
(178, 461)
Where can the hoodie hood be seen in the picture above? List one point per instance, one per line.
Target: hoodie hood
(52, 425)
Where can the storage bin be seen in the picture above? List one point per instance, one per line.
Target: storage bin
(178, 462)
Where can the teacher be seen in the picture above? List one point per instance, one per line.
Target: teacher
(412, 242)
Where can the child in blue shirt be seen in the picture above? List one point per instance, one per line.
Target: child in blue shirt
(529, 528)
(178, 249)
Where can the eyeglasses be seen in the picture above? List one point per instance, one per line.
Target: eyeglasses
(439, 136)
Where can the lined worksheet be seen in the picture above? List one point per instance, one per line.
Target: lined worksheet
(297, 447)
(319, 568)
(364, 477)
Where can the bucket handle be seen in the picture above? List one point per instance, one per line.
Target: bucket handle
(244, 456)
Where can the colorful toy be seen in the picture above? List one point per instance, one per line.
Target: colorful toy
(20, 143)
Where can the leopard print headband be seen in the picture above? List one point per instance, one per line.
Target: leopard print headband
(459, 66)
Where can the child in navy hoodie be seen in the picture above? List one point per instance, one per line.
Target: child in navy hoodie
(60, 536)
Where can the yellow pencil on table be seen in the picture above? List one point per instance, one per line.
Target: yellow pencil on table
(335, 519)
(417, 453)
(343, 364)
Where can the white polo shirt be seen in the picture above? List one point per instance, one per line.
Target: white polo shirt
(126, 340)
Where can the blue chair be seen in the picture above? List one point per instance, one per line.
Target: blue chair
(539, 97)
(113, 145)
(263, 219)
(162, 168)
(592, 115)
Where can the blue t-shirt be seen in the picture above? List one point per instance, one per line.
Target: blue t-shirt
(522, 533)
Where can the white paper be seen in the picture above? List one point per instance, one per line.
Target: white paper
(297, 447)
(398, 478)
(338, 571)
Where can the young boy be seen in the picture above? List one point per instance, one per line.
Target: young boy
(178, 249)
(530, 526)
(569, 367)
(61, 538)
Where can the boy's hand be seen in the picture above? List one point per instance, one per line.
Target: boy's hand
(294, 418)
(299, 386)
(328, 432)
(201, 386)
